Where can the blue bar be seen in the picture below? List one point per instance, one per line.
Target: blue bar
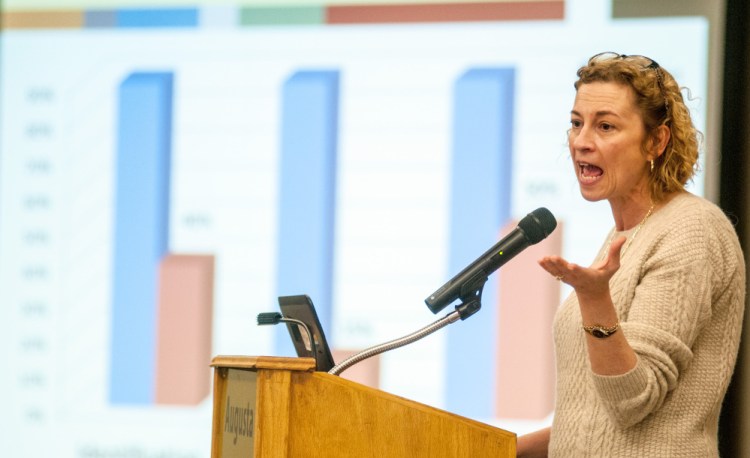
(480, 206)
(307, 196)
(141, 231)
(157, 17)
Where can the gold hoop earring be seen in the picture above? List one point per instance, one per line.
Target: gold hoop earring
(652, 166)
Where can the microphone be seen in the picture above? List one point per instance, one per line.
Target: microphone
(532, 229)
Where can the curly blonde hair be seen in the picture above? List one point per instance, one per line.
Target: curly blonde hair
(659, 98)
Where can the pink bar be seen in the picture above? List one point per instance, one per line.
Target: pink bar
(366, 372)
(529, 297)
(183, 353)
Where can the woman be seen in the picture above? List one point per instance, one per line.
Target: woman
(647, 342)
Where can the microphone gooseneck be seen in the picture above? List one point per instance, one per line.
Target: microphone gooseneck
(396, 343)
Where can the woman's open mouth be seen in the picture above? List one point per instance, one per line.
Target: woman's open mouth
(589, 173)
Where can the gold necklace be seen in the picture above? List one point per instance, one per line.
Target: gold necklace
(631, 238)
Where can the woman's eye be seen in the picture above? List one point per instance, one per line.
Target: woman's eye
(575, 123)
(605, 127)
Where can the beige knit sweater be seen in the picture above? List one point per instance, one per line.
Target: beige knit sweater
(680, 295)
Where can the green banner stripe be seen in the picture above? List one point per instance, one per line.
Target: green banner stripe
(282, 15)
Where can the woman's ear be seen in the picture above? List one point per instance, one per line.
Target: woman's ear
(659, 141)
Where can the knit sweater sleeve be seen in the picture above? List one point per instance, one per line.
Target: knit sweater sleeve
(665, 299)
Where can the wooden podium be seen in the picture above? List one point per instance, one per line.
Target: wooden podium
(279, 407)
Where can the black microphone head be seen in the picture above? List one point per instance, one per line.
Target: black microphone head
(269, 318)
(537, 225)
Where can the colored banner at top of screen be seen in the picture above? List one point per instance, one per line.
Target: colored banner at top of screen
(74, 14)
(116, 4)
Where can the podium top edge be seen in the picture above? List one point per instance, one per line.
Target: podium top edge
(264, 362)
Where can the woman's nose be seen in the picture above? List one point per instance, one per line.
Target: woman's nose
(581, 139)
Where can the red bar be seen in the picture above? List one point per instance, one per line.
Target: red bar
(446, 12)
(529, 297)
(184, 323)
